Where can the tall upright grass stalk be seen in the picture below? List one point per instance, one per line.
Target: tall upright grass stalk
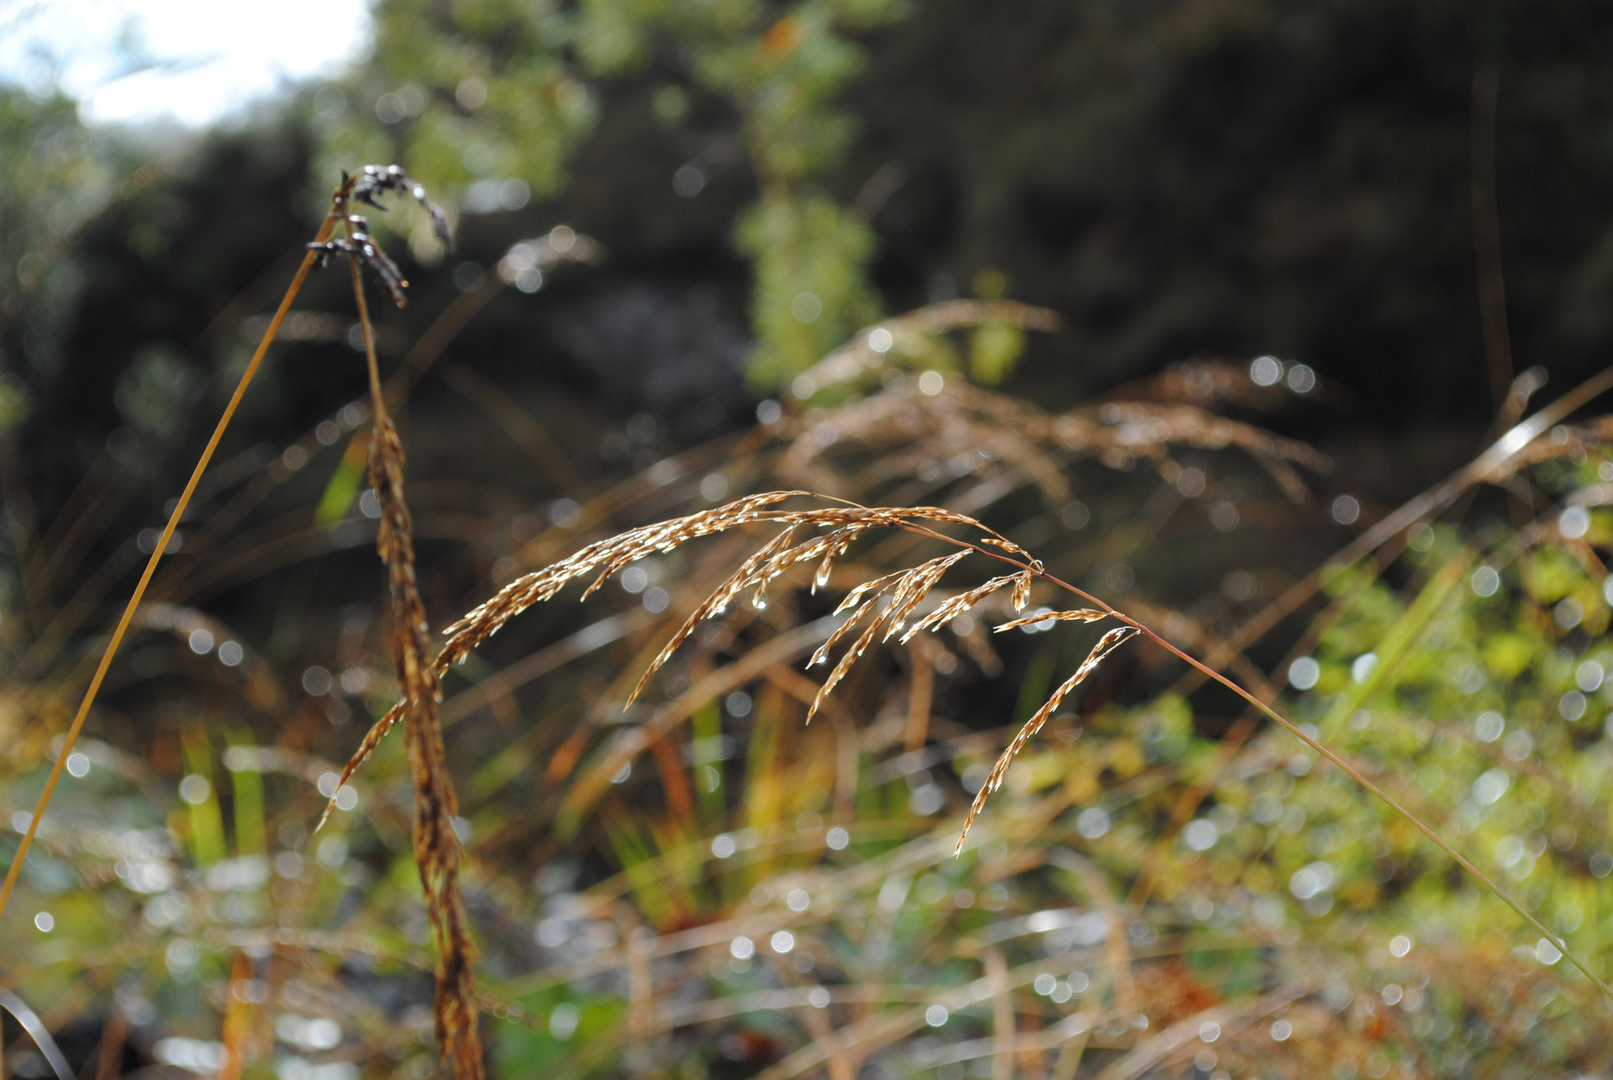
(326, 229)
(436, 845)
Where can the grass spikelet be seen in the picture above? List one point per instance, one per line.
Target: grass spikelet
(821, 654)
(757, 570)
(913, 591)
(366, 747)
(906, 592)
(871, 589)
(1012, 549)
(840, 540)
(1106, 645)
(1022, 589)
(954, 606)
(847, 659)
(949, 517)
(712, 605)
(1083, 615)
(828, 546)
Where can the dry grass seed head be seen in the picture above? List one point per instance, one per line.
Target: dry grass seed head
(953, 606)
(901, 597)
(435, 843)
(714, 605)
(487, 618)
(1106, 645)
(915, 588)
(963, 430)
(608, 556)
(1078, 615)
(841, 539)
(890, 599)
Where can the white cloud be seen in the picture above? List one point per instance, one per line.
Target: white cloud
(191, 61)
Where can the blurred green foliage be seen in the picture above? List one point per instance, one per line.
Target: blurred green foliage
(50, 176)
(492, 91)
(53, 173)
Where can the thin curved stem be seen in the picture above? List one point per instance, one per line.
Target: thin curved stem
(29, 1021)
(1349, 770)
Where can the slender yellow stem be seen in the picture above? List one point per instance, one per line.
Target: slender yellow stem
(156, 555)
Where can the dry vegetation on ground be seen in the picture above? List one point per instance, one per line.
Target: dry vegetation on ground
(622, 849)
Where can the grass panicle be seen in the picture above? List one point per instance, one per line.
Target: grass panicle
(891, 599)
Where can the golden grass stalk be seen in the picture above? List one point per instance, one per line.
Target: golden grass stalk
(309, 262)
